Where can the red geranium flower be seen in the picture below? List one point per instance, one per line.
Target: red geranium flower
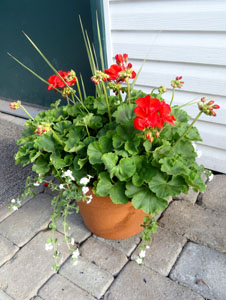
(113, 72)
(152, 113)
(57, 82)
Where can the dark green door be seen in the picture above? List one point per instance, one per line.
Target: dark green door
(54, 26)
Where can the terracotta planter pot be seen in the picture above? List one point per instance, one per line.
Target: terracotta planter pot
(109, 220)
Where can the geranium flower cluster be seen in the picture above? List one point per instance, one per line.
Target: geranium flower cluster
(152, 113)
(121, 71)
(56, 82)
(208, 108)
(15, 105)
(178, 83)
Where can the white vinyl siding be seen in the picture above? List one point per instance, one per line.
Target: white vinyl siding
(182, 37)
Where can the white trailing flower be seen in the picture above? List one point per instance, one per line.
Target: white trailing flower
(13, 201)
(14, 208)
(142, 254)
(85, 189)
(72, 241)
(36, 184)
(89, 199)
(48, 246)
(211, 177)
(139, 261)
(68, 173)
(147, 247)
(75, 254)
(89, 177)
(199, 153)
(61, 187)
(84, 180)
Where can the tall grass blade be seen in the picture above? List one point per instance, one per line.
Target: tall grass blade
(100, 44)
(83, 86)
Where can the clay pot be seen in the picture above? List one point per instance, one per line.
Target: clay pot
(109, 220)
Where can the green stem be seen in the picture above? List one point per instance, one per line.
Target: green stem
(128, 90)
(79, 90)
(57, 137)
(65, 227)
(172, 96)
(107, 102)
(187, 130)
(87, 130)
(26, 112)
(120, 96)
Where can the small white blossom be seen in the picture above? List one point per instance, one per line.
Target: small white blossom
(211, 177)
(72, 241)
(14, 208)
(36, 184)
(142, 254)
(85, 189)
(84, 180)
(139, 261)
(147, 247)
(89, 177)
(18, 202)
(13, 201)
(75, 254)
(48, 246)
(68, 173)
(61, 186)
(194, 145)
(89, 199)
(199, 153)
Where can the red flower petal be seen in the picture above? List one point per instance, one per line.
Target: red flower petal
(139, 123)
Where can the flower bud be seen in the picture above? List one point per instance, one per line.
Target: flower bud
(125, 57)
(15, 105)
(157, 134)
(119, 59)
(213, 113)
(210, 102)
(203, 99)
(216, 106)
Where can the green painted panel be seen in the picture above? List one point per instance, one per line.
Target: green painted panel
(55, 28)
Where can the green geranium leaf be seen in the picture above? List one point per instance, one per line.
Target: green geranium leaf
(174, 165)
(162, 151)
(110, 160)
(193, 134)
(104, 184)
(164, 188)
(95, 153)
(147, 145)
(75, 135)
(82, 162)
(62, 127)
(180, 115)
(117, 193)
(131, 146)
(47, 142)
(185, 149)
(41, 165)
(106, 143)
(144, 170)
(124, 113)
(101, 105)
(57, 161)
(143, 198)
(126, 168)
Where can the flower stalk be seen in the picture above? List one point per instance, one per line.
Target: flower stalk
(107, 101)
(188, 129)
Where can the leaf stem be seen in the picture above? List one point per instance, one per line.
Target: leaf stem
(107, 101)
(188, 129)
(128, 89)
(26, 112)
(57, 137)
(172, 96)
(79, 90)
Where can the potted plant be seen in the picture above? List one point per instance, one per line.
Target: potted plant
(127, 152)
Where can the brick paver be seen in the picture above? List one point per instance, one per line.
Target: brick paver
(198, 224)
(22, 225)
(138, 282)
(103, 255)
(7, 250)
(59, 288)
(164, 250)
(87, 276)
(30, 268)
(203, 270)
